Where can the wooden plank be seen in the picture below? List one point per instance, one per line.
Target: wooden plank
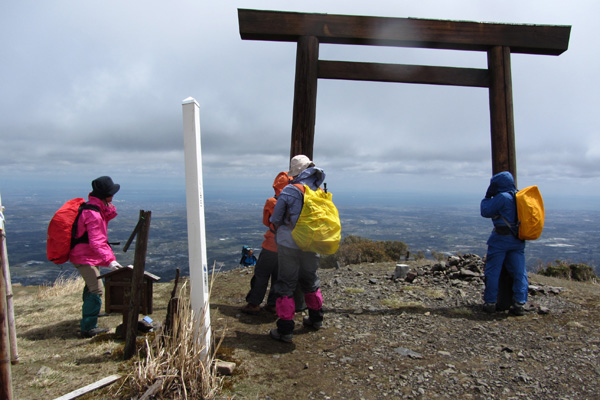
(361, 71)
(403, 32)
(90, 388)
(305, 97)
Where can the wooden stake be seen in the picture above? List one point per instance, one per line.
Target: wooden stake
(137, 280)
(12, 332)
(5, 376)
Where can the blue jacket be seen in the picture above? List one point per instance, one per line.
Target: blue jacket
(499, 202)
(289, 205)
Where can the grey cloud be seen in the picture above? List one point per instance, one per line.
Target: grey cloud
(84, 83)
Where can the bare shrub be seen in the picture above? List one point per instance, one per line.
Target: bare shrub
(565, 270)
(357, 250)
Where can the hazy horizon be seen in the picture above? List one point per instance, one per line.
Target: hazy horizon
(443, 224)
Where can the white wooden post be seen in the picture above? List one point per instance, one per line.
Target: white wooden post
(194, 196)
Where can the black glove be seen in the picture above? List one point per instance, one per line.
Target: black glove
(490, 192)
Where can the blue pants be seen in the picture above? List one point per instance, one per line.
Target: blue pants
(514, 262)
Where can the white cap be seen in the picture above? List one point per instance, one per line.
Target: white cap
(298, 164)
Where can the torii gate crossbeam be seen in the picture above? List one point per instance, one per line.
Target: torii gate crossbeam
(498, 40)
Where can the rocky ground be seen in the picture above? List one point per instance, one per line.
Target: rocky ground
(420, 337)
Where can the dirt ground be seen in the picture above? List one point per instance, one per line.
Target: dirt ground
(382, 338)
(386, 338)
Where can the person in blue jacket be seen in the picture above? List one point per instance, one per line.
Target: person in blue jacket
(296, 267)
(504, 247)
(248, 258)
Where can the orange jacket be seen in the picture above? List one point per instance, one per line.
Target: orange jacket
(269, 242)
(281, 181)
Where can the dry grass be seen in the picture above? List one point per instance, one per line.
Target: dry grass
(55, 360)
(177, 367)
(62, 286)
(395, 302)
(354, 290)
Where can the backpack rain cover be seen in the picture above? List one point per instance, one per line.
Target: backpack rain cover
(58, 243)
(530, 211)
(318, 228)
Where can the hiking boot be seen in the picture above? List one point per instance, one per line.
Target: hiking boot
(309, 323)
(517, 309)
(287, 338)
(270, 308)
(250, 309)
(93, 332)
(489, 308)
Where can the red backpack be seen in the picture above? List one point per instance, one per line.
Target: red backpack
(61, 228)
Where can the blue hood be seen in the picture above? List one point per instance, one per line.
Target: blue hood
(502, 182)
(312, 176)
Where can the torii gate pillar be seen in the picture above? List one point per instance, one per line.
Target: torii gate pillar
(501, 111)
(305, 97)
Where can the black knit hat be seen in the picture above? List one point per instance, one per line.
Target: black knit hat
(104, 187)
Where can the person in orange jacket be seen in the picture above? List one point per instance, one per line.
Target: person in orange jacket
(266, 267)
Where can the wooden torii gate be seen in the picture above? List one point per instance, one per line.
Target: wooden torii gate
(498, 40)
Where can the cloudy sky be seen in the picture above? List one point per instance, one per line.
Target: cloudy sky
(95, 88)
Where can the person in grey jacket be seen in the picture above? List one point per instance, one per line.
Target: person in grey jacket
(296, 267)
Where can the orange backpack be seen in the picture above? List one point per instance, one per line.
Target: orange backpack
(530, 211)
(530, 214)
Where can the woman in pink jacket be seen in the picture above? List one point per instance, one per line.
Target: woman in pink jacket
(94, 251)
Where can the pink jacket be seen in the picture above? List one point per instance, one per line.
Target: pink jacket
(97, 251)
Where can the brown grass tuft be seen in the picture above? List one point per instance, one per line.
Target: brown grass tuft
(62, 286)
(178, 367)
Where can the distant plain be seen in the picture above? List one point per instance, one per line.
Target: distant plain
(425, 224)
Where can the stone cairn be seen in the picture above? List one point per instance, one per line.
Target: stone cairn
(467, 267)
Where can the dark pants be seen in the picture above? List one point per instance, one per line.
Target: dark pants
(297, 269)
(265, 269)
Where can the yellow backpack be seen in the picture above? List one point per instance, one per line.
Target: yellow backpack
(530, 213)
(318, 228)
